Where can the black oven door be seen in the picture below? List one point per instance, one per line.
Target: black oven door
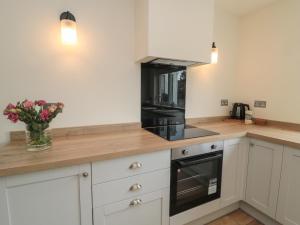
(195, 180)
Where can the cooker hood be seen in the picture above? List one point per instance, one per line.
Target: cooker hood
(165, 32)
(175, 62)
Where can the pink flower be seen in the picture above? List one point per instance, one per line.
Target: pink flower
(11, 113)
(13, 117)
(28, 104)
(44, 115)
(9, 109)
(40, 102)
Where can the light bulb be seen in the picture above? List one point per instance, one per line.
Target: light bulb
(68, 32)
(214, 54)
(68, 29)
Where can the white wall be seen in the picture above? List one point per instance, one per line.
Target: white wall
(207, 85)
(269, 56)
(97, 80)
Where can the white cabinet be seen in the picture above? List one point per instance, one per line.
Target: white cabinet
(288, 210)
(174, 29)
(265, 160)
(235, 161)
(132, 190)
(148, 209)
(54, 197)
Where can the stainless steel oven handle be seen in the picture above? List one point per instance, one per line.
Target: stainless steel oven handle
(190, 163)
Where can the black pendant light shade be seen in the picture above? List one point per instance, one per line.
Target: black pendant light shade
(67, 16)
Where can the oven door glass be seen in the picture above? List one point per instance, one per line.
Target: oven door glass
(195, 181)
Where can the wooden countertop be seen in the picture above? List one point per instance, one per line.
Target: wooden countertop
(73, 150)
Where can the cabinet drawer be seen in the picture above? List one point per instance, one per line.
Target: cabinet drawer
(117, 190)
(152, 208)
(104, 171)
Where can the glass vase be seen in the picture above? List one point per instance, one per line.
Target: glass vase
(38, 138)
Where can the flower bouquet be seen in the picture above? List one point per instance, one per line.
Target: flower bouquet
(37, 117)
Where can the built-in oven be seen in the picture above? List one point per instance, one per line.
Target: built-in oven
(196, 173)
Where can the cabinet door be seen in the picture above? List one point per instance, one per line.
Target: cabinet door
(265, 160)
(150, 209)
(289, 198)
(235, 161)
(55, 197)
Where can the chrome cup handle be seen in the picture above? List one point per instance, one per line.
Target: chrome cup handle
(135, 202)
(135, 187)
(135, 165)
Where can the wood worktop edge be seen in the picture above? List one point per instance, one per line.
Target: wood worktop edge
(15, 164)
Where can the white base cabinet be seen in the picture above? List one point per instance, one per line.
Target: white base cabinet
(54, 197)
(132, 190)
(264, 169)
(288, 210)
(135, 190)
(150, 209)
(235, 161)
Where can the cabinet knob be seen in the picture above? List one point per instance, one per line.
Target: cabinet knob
(85, 174)
(135, 202)
(135, 187)
(185, 152)
(251, 145)
(135, 165)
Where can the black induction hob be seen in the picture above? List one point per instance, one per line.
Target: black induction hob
(180, 132)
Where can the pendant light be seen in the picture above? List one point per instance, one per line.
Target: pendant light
(68, 28)
(214, 54)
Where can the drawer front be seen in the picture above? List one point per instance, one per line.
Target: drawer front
(118, 190)
(104, 171)
(148, 209)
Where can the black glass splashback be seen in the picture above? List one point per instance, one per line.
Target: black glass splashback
(162, 95)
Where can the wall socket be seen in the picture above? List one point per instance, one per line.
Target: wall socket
(260, 104)
(224, 102)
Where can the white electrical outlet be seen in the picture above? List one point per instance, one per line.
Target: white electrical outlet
(260, 104)
(224, 102)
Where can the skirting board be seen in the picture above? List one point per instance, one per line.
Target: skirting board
(215, 215)
(257, 214)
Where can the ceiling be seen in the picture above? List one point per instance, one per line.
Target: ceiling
(243, 7)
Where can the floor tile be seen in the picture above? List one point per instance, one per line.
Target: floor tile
(241, 217)
(236, 218)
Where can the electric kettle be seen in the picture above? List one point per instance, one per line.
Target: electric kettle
(239, 111)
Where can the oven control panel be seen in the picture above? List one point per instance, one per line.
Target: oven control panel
(198, 149)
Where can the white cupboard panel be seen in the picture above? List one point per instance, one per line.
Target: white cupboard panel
(265, 160)
(235, 161)
(56, 197)
(288, 210)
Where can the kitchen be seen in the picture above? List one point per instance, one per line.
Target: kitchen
(99, 81)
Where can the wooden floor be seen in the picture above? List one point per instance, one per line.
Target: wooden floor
(236, 218)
